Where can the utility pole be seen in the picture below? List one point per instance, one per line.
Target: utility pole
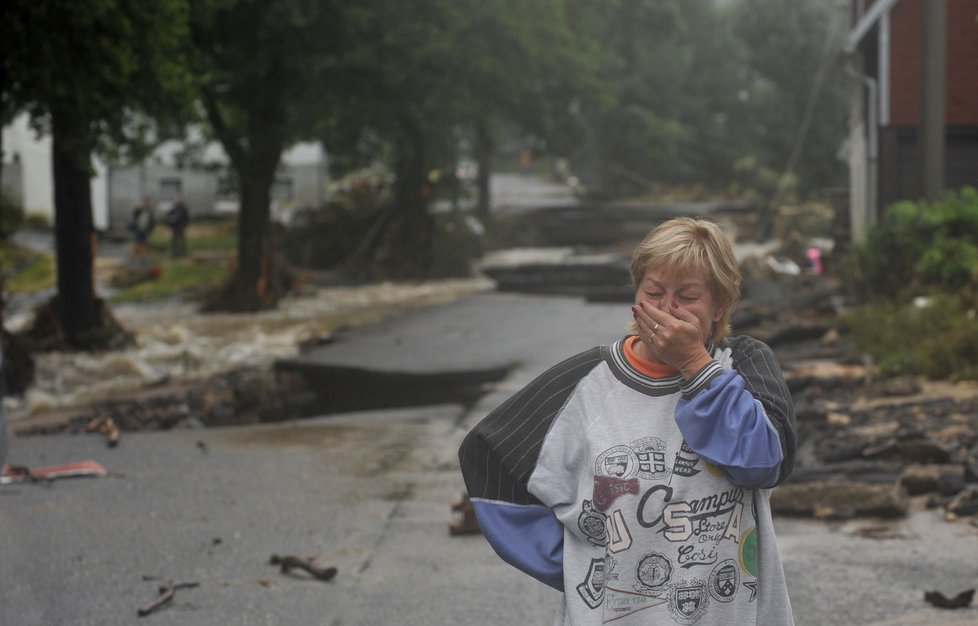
(932, 83)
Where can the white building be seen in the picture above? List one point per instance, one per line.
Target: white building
(27, 177)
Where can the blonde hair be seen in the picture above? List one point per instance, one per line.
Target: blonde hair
(687, 246)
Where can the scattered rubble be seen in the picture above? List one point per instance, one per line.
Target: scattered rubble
(869, 457)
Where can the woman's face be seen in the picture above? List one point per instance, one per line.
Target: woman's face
(667, 291)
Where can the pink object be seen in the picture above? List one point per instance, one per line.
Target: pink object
(815, 260)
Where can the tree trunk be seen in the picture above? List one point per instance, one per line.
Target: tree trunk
(255, 285)
(398, 243)
(483, 155)
(254, 243)
(78, 307)
(409, 239)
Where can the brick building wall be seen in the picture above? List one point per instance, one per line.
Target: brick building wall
(961, 65)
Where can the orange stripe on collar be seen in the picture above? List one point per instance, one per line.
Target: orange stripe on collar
(648, 368)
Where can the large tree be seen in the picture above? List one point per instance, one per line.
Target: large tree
(90, 73)
(794, 86)
(668, 75)
(431, 74)
(267, 70)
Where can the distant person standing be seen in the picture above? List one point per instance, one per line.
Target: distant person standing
(177, 218)
(141, 224)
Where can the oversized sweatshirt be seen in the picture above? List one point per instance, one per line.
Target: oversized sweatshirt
(642, 496)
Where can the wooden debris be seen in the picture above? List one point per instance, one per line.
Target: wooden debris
(166, 594)
(288, 563)
(840, 499)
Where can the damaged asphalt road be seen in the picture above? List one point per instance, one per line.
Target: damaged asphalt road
(370, 494)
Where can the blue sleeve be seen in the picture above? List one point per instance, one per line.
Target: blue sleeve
(727, 426)
(500, 454)
(530, 538)
(742, 419)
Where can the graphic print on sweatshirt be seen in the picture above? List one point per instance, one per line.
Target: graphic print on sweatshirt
(675, 532)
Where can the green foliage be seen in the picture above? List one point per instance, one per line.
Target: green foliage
(792, 71)
(667, 74)
(916, 247)
(220, 237)
(25, 270)
(925, 254)
(100, 69)
(937, 340)
(455, 246)
(324, 238)
(11, 216)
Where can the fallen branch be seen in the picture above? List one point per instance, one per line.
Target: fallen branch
(288, 563)
(166, 594)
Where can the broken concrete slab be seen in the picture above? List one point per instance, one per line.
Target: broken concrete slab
(840, 499)
(451, 353)
(340, 389)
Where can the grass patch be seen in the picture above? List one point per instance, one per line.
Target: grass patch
(177, 278)
(216, 236)
(25, 270)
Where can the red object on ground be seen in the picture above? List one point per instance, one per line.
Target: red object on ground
(16, 473)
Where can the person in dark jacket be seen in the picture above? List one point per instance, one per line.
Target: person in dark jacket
(177, 218)
(141, 225)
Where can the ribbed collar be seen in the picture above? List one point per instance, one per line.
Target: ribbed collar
(654, 379)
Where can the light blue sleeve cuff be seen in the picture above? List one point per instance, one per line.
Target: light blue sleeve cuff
(530, 538)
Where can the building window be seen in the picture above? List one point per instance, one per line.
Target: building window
(170, 188)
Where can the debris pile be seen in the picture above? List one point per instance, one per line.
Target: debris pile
(868, 448)
(237, 397)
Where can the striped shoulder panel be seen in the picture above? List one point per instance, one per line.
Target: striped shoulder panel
(499, 454)
(758, 366)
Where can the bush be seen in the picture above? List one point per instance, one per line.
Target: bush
(928, 254)
(936, 339)
(918, 246)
